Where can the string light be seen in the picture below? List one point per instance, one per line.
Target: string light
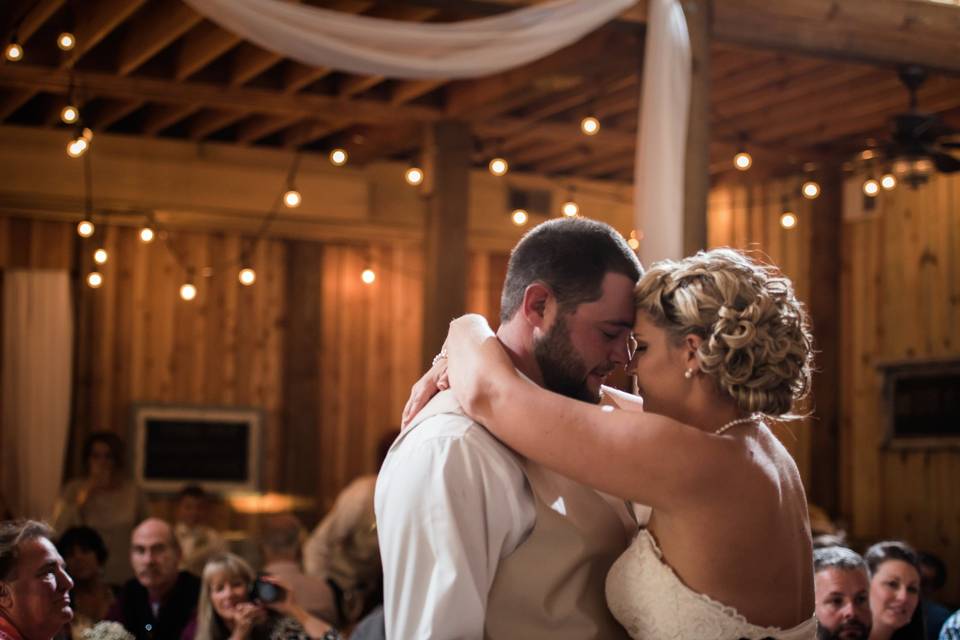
(368, 276)
(810, 189)
(94, 279)
(871, 187)
(66, 41)
(590, 126)
(78, 145)
(788, 220)
(292, 198)
(570, 208)
(338, 157)
(742, 161)
(188, 291)
(498, 167)
(146, 235)
(888, 181)
(519, 217)
(69, 114)
(247, 276)
(413, 176)
(13, 51)
(100, 256)
(634, 241)
(85, 229)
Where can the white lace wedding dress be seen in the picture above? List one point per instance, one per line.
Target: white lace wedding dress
(649, 600)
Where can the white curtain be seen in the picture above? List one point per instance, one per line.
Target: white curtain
(397, 49)
(37, 363)
(662, 142)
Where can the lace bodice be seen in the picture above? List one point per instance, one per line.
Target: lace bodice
(650, 601)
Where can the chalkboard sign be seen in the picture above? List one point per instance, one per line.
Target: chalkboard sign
(923, 403)
(215, 447)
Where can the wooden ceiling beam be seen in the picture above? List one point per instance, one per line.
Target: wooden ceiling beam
(882, 32)
(151, 31)
(211, 121)
(163, 116)
(33, 19)
(259, 127)
(298, 76)
(405, 91)
(13, 100)
(205, 43)
(777, 70)
(382, 142)
(307, 132)
(111, 112)
(249, 61)
(95, 22)
(613, 164)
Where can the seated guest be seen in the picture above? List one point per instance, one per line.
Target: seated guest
(226, 610)
(34, 585)
(933, 575)
(344, 547)
(895, 592)
(105, 500)
(160, 601)
(198, 542)
(281, 540)
(842, 594)
(85, 554)
(951, 628)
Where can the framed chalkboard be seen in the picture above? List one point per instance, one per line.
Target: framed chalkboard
(216, 447)
(922, 401)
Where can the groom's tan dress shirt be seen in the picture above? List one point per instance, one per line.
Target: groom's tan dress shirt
(479, 543)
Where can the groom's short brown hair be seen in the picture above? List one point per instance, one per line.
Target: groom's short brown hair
(569, 255)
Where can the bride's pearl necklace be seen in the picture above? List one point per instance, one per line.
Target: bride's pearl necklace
(734, 423)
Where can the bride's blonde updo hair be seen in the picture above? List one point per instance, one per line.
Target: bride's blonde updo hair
(756, 341)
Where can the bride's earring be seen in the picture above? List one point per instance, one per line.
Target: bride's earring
(688, 374)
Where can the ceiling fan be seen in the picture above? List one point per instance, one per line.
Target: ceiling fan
(920, 143)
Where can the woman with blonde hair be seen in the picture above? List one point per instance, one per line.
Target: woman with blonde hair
(227, 610)
(721, 345)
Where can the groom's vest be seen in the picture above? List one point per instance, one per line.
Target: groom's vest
(551, 586)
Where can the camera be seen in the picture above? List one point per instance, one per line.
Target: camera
(266, 592)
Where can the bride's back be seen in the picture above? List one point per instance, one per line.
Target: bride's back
(747, 545)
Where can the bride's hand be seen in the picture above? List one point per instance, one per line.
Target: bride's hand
(432, 382)
(478, 363)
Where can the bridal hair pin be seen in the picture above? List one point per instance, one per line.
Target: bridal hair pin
(734, 423)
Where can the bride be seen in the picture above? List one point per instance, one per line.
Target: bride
(721, 344)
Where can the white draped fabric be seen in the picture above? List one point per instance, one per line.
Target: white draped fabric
(37, 369)
(397, 49)
(661, 147)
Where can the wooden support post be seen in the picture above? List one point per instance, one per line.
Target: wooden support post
(824, 306)
(301, 369)
(696, 179)
(449, 145)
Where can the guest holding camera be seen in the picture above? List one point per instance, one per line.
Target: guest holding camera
(235, 604)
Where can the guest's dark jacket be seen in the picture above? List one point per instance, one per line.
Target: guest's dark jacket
(177, 610)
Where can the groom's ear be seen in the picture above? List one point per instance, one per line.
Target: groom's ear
(536, 299)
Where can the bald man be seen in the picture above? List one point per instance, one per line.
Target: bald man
(161, 600)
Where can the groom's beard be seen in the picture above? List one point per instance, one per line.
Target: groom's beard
(562, 367)
(851, 628)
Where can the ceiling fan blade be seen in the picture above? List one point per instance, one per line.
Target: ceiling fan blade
(945, 162)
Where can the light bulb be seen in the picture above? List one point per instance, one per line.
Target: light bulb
(871, 187)
(810, 189)
(368, 276)
(87, 134)
(498, 167)
(13, 52)
(570, 208)
(188, 291)
(146, 234)
(742, 160)
(788, 220)
(338, 157)
(85, 229)
(77, 147)
(519, 217)
(590, 125)
(100, 256)
(69, 114)
(413, 176)
(247, 276)
(94, 279)
(633, 242)
(292, 198)
(66, 41)
(888, 181)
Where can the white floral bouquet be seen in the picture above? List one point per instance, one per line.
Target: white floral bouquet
(107, 631)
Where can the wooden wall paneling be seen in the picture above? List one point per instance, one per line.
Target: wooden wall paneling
(267, 391)
(405, 319)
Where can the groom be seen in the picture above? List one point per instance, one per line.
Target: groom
(476, 541)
